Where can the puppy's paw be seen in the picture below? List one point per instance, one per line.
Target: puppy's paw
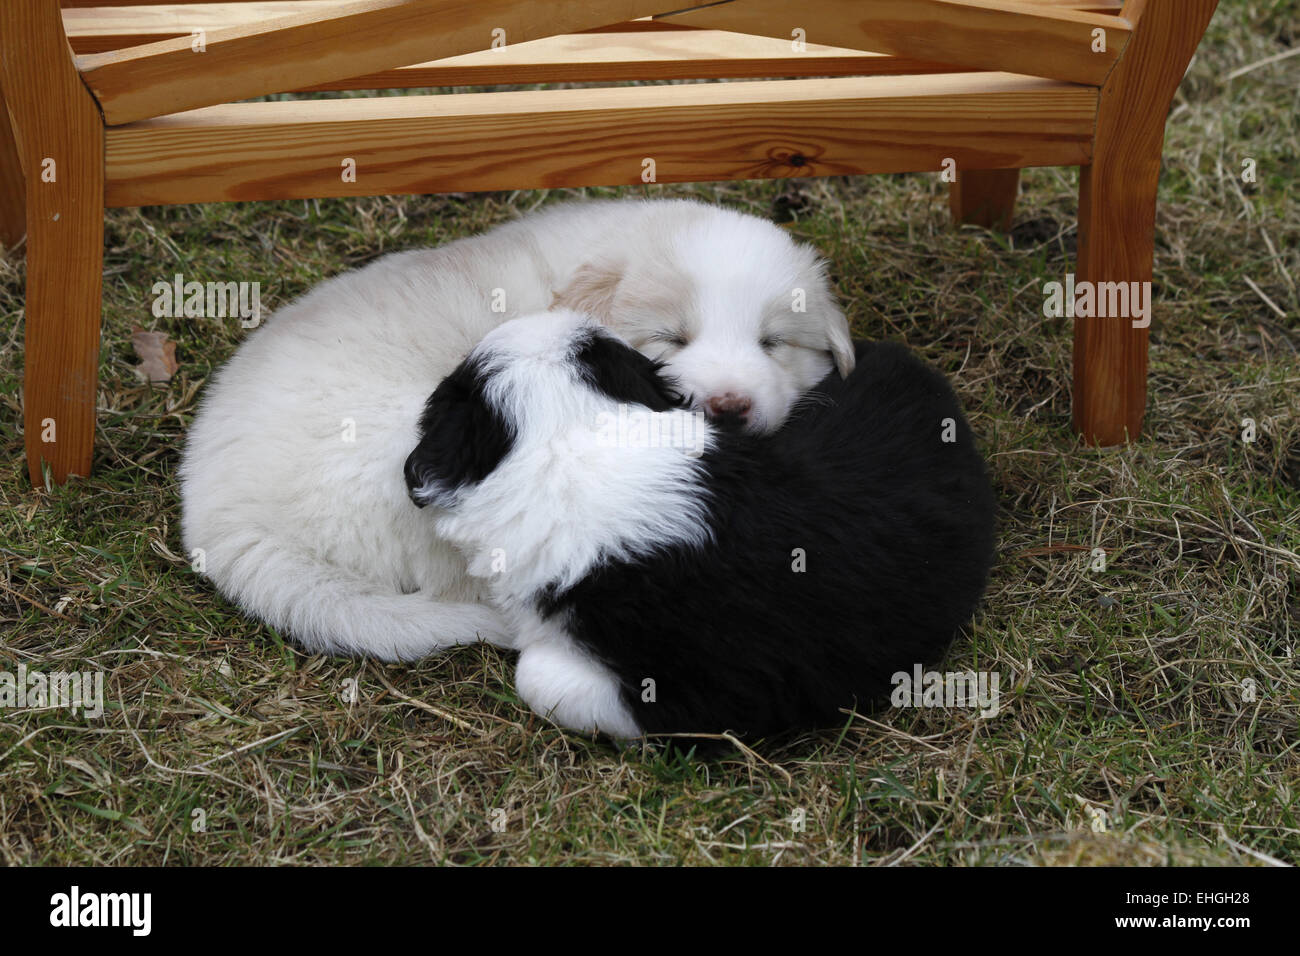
(565, 685)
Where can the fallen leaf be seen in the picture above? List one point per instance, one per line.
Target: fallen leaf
(157, 355)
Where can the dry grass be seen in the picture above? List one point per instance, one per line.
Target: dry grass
(1122, 690)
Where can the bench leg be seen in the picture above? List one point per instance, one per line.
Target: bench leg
(984, 197)
(13, 190)
(65, 254)
(61, 138)
(1117, 210)
(1116, 242)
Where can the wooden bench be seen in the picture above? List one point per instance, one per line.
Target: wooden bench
(114, 104)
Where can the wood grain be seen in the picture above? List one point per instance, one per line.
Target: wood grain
(57, 121)
(672, 53)
(984, 197)
(97, 26)
(103, 26)
(287, 53)
(620, 57)
(1117, 208)
(1099, 5)
(549, 138)
(1033, 39)
(13, 190)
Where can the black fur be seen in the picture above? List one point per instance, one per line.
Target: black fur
(462, 438)
(897, 528)
(624, 374)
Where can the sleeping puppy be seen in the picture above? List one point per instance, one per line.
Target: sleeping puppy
(740, 314)
(292, 499)
(665, 575)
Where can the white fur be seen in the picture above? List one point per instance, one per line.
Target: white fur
(563, 499)
(560, 682)
(316, 535)
(561, 502)
(724, 282)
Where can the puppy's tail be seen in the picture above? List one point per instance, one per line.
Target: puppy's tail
(328, 609)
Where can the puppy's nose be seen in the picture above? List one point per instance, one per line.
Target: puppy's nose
(728, 404)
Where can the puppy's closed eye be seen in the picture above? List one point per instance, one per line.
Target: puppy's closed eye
(673, 337)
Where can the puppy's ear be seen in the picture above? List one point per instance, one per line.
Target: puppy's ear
(625, 375)
(462, 438)
(840, 341)
(592, 290)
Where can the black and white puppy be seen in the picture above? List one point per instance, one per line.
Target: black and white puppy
(663, 574)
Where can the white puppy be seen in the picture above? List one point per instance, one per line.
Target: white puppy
(293, 496)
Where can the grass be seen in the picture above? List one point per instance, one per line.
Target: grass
(1126, 691)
